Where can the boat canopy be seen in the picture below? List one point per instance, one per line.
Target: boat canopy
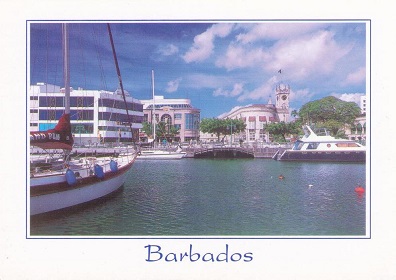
(59, 137)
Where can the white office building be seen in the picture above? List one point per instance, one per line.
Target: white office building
(96, 116)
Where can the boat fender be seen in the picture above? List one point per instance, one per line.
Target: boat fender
(99, 171)
(70, 177)
(113, 166)
(359, 189)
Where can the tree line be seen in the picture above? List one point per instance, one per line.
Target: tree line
(329, 112)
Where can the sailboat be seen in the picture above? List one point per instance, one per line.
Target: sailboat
(66, 182)
(158, 153)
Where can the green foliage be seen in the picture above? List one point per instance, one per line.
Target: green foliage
(162, 131)
(165, 131)
(280, 130)
(329, 112)
(222, 126)
(148, 129)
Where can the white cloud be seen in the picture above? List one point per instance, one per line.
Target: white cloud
(237, 90)
(300, 55)
(240, 57)
(168, 50)
(313, 54)
(204, 43)
(262, 92)
(275, 31)
(303, 95)
(173, 85)
(349, 97)
(356, 77)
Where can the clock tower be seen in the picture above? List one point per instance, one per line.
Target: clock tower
(282, 102)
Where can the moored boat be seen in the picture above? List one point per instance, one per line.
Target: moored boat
(314, 147)
(161, 154)
(63, 182)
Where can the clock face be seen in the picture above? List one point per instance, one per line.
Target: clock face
(284, 97)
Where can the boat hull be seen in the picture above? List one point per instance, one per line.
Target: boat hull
(161, 155)
(59, 195)
(328, 156)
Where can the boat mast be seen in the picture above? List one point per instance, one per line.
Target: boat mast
(119, 78)
(154, 121)
(66, 64)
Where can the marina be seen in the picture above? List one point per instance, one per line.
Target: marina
(222, 197)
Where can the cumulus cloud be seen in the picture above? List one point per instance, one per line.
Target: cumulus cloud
(275, 31)
(204, 43)
(237, 90)
(356, 77)
(262, 92)
(349, 97)
(301, 53)
(172, 86)
(240, 57)
(313, 54)
(168, 50)
(301, 94)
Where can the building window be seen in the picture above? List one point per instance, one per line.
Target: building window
(178, 116)
(192, 121)
(118, 104)
(252, 125)
(46, 126)
(33, 111)
(262, 134)
(252, 135)
(82, 128)
(166, 119)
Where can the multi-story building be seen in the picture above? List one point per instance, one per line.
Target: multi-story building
(363, 104)
(358, 131)
(173, 112)
(258, 115)
(97, 116)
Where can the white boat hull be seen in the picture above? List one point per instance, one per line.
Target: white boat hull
(161, 155)
(60, 200)
(51, 193)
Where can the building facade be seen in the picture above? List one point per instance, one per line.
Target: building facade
(358, 131)
(178, 113)
(258, 115)
(97, 116)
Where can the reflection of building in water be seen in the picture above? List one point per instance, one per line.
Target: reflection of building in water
(178, 113)
(258, 115)
(96, 115)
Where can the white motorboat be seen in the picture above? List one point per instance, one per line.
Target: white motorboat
(323, 147)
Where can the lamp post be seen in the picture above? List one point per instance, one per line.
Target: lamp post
(230, 127)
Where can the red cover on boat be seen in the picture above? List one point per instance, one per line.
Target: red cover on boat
(59, 137)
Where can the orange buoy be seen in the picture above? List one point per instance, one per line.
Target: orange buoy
(359, 189)
(281, 177)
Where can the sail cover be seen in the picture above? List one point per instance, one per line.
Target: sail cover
(59, 137)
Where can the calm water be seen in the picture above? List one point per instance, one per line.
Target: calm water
(228, 197)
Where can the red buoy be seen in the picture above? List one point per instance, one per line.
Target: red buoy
(359, 189)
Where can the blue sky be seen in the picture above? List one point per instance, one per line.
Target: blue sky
(218, 65)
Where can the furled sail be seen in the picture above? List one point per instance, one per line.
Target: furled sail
(59, 137)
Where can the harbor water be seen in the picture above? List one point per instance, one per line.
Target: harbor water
(222, 197)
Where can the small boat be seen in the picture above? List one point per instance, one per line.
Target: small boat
(323, 147)
(61, 182)
(156, 153)
(161, 154)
